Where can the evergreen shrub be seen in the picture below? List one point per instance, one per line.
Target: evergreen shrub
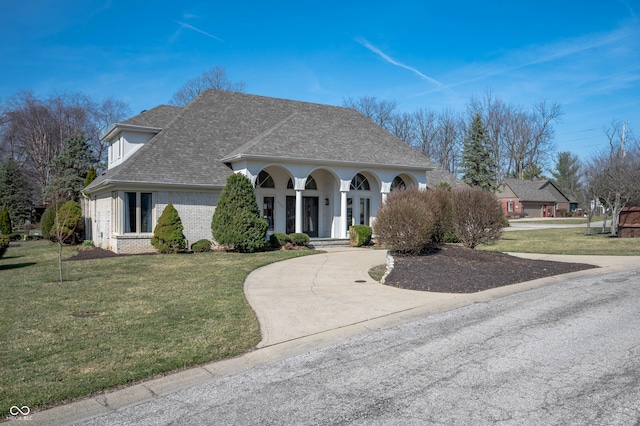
(359, 235)
(5, 221)
(4, 245)
(46, 221)
(279, 239)
(201, 246)
(167, 235)
(299, 239)
(67, 225)
(237, 222)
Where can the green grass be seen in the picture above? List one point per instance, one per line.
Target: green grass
(573, 241)
(118, 320)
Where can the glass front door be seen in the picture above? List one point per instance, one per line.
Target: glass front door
(309, 215)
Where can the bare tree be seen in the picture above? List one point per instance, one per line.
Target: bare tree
(214, 78)
(451, 132)
(380, 112)
(403, 127)
(426, 128)
(33, 130)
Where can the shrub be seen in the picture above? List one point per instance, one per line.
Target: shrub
(47, 221)
(439, 201)
(279, 239)
(299, 239)
(67, 223)
(5, 221)
(236, 222)
(201, 246)
(477, 216)
(167, 235)
(4, 245)
(405, 222)
(14, 236)
(359, 235)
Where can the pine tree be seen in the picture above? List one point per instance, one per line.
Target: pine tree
(566, 175)
(91, 176)
(14, 191)
(69, 170)
(167, 235)
(5, 221)
(237, 222)
(478, 167)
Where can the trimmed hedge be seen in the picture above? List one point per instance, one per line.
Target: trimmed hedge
(201, 246)
(359, 235)
(279, 239)
(300, 239)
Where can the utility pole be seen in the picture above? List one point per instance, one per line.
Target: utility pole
(624, 132)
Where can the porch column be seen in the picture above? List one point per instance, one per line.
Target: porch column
(298, 211)
(345, 185)
(299, 184)
(385, 190)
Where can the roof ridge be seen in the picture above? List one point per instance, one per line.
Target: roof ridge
(254, 141)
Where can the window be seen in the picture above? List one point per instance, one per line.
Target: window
(398, 183)
(267, 210)
(359, 183)
(365, 211)
(138, 212)
(264, 180)
(510, 206)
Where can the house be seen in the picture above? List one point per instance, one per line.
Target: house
(316, 168)
(532, 198)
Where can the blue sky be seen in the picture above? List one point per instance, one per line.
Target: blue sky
(584, 54)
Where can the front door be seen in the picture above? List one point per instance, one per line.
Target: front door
(309, 215)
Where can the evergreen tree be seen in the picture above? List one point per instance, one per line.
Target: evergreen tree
(237, 222)
(478, 167)
(91, 176)
(566, 175)
(167, 235)
(14, 191)
(69, 170)
(5, 221)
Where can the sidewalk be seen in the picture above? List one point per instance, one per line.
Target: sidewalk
(311, 302)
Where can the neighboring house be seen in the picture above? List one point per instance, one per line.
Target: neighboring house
(316, 168)
(532, 198)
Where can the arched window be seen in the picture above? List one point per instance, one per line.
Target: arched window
(398, 183)
(264, 180)
(360, 183)
(310, 184)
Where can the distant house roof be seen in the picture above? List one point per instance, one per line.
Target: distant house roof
(194, 143)
(535, 190)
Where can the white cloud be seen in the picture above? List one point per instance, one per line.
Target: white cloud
(191, 27)
(392, 61)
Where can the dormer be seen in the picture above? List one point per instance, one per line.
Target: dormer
(125, 139)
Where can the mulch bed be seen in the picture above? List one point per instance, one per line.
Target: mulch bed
(454, 269)
(93, 253)
(451, 269)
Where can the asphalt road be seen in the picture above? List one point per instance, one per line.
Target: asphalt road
(565, 354)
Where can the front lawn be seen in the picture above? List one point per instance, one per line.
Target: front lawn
(117, 320)
(573, 241)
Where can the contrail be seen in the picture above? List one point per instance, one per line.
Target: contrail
(386, 57)
(191, 27)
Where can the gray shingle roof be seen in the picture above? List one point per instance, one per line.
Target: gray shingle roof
(221, 125)
(159, 116)
(535, 190)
